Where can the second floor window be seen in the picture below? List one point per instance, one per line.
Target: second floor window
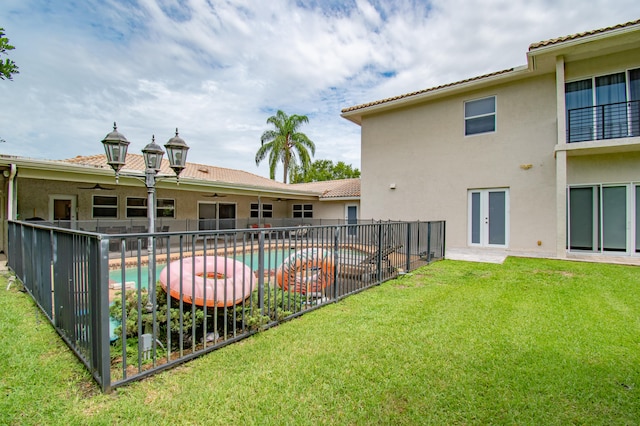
(480, 116)
(603, 107)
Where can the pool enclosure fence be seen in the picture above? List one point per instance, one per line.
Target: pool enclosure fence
(132, 304)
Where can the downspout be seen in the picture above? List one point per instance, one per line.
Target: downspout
(10, 191)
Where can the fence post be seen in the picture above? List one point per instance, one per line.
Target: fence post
(379, 257)
(261, 272)
(429, 242)
(408, 268)
(336, 259)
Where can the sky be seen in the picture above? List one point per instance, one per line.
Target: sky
(216, 70)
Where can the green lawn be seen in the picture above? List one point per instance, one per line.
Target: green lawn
(526, 342)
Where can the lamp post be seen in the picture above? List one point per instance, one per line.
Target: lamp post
(116, 145)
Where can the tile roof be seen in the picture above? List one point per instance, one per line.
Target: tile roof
(580, 35)
(343, 188)
(135, 162)
(420, 92)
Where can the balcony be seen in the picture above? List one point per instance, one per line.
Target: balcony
(601, 122)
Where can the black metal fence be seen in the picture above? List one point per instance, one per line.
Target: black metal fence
(130, 305)
(618, 120)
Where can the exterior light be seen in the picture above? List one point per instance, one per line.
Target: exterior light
(153, 155)
(115, 147)
(177, 153)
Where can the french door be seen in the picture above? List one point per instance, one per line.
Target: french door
(489, 217)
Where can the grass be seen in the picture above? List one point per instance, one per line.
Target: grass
(527, 342)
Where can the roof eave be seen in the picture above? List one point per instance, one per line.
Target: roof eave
(356, 115)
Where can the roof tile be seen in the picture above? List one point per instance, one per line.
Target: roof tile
(580, 35)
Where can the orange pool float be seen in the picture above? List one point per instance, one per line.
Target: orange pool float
(224, 281)
(306, 271)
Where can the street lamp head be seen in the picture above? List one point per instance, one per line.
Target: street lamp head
(153, 155)
(177, 152)
(115, 147)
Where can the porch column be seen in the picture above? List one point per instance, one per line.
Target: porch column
(561, 163)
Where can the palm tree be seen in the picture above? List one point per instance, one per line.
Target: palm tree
(285, 144)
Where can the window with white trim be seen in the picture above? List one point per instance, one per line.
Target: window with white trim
(267, 210)
(165, 207)
(303, 211)
(480, 116)
(137, 207)
(105, 206)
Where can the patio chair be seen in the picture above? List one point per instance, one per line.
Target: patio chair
(162, 240)
(366, 268)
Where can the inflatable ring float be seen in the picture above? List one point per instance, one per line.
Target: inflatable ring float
(227, 281)
(306, 271)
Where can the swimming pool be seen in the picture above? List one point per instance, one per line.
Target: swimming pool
(272, 259)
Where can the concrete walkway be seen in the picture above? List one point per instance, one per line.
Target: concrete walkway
(498, 256)
(476, 255)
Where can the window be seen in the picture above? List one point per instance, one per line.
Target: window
(603, 107)
(480, 116)
(303, 211)
(165, 207)
(136, 207)
(267, 210)
(105, 206)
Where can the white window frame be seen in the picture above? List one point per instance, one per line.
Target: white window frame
(171, 207)
(256, 208)
(104, 206)
(494, 114)
(134, 207)
(302, 211)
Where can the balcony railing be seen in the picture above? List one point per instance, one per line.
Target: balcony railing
(610, 121)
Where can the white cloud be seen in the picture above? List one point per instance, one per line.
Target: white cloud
(217, 70)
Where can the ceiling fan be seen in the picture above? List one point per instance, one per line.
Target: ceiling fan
(214, 195)
(97, 187)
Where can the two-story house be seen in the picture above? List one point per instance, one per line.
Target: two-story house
(542, 159)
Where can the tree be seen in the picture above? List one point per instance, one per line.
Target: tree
(7, 67)
(285, 143)
(321, 170)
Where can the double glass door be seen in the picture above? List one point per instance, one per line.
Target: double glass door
(489, 217)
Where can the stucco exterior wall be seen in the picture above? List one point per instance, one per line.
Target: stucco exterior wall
(333, 210)
(607, 64)
(423, 151)
(603, 169)
(34, 196)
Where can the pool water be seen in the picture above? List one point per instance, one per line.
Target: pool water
(272, 258)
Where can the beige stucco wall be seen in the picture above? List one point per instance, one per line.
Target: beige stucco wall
(34, 195)
(333, 210)
(423, 151)
(604, 169)
(604, 65)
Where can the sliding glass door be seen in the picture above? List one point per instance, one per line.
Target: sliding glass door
(598, 218)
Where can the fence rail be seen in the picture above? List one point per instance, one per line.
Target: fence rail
(130, 305)
(609, 121)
